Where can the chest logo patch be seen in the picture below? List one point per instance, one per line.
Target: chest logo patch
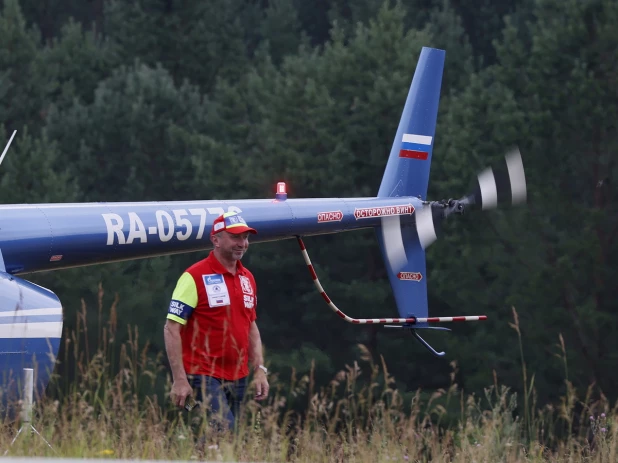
(216, 290)
(245, 285)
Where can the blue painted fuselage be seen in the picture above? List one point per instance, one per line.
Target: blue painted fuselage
(41, 237)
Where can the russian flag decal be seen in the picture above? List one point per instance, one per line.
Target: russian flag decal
(415, 146)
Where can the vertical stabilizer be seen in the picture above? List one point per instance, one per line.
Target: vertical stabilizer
(407, 174)
(407, 170)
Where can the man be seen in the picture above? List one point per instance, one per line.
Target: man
(210, 331)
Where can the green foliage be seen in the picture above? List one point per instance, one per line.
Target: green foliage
(116, 406)
(33, 171)
(484, 20)
(129, 142)
(173, 100)
(552, 259)
(20, 92)
(564, 89)
(51, 16)
(32, 77)
(196, 41)
(281, 29)
(73, 64)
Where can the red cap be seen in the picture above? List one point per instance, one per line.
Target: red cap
(231, 222)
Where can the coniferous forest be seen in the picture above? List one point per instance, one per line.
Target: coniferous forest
(157, 100)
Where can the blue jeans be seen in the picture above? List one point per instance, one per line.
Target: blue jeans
(224, 398)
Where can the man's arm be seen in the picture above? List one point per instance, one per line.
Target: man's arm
(256, 358)
(184, 299)
(173, 345)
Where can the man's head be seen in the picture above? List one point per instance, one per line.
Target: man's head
(230, 236)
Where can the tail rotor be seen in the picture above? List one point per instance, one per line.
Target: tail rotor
(502, 185)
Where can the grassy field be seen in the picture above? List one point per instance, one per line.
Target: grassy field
(116, 407)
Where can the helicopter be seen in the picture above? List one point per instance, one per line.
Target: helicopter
(49, 237)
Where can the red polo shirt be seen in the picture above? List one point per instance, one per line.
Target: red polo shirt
(216, 310)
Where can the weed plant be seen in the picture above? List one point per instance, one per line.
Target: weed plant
(116, 406)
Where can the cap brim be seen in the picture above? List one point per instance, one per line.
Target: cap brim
(239, 230)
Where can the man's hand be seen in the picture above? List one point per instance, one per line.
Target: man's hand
(173, 344)
(180, 391)
(261, 385)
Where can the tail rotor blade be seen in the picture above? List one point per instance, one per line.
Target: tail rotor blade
(486, 193)
(428, 224)
(517, 176)
(504, 184)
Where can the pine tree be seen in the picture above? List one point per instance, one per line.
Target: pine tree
(195, 41)
(21, 93)
(551, 92)
(33, 171)
(125, 144)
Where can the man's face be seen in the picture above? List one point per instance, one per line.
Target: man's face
(232, 246)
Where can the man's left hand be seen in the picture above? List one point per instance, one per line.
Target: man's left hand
(261, 385)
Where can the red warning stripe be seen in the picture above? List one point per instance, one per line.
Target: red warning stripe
(370, 321)
(413, 154)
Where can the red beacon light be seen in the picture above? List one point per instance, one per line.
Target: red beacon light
(281, 194)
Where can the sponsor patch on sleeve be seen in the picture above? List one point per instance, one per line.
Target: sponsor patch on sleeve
(249, 301)
(179, 311)
(184, 299)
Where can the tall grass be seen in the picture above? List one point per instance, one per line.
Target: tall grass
(116, 407)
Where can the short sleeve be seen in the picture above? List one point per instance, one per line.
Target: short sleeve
(184, 299)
